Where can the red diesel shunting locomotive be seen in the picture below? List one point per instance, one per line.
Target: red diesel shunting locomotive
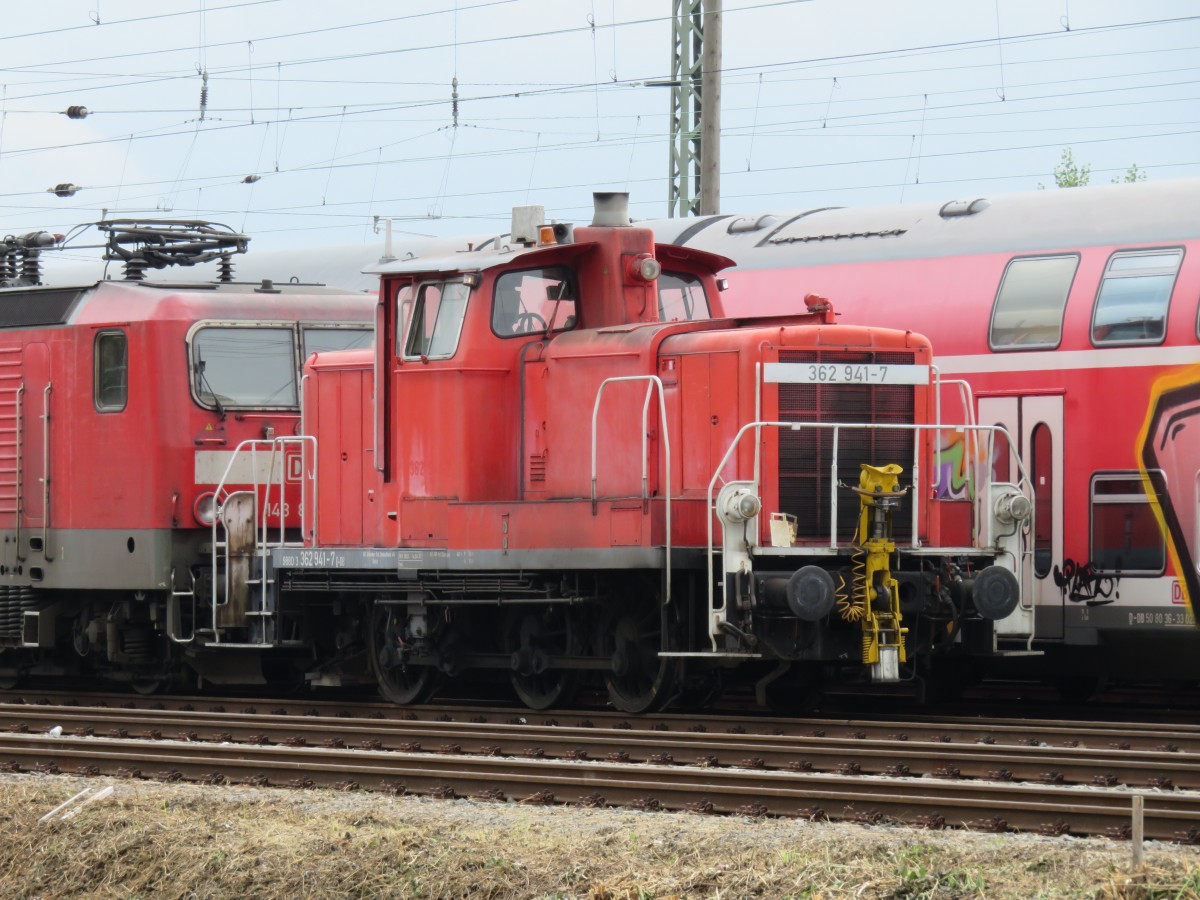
(562, 458)
(121, 406)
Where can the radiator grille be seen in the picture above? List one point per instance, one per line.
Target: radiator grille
(805, 456)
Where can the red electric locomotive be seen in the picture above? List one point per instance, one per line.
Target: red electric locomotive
(122, 406)
(563, 458)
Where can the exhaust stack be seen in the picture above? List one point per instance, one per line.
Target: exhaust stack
(612, 209)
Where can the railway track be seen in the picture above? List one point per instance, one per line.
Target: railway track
(984, 784)
(892, 754)
(1111, 735)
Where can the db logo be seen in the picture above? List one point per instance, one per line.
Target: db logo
(1176, 593)
(295, 472)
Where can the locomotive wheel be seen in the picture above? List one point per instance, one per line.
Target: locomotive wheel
(148, 685)
(796, 697)
(1079, 689)
(531, 636)
(399, 682)
(639, 680)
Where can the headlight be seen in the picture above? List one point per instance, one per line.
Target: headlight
(741, 506)
(205, 509)
(1012, 508)
(643, 268)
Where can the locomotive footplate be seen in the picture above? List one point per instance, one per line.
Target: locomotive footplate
(405, 562)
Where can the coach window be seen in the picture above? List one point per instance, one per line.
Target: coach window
(111, 377)
(436, 320)
(1131, 306)
(1001, 454)
(252, 367)
(681, 298)
(533, 301)
(1125, 536)
(1029, 305)
(1041, 470)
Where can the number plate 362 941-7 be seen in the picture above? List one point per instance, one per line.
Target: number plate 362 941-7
(843, 373)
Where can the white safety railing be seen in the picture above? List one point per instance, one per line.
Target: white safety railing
(654, 386)
(278, 457)
(982, 535)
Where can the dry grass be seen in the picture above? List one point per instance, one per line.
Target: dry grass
(152, 840)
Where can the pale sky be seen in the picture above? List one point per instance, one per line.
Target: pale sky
(343, 110)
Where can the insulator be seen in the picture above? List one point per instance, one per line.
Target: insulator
(66, 189)
(77, 112)
(250, 179)
(37, 239)
(31, 267)
(225, 268)
(203, 95)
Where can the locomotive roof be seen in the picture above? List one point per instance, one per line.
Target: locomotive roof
(472, 258)
(1144, 213)
(107, 301)
(336, 266)
(489, 256)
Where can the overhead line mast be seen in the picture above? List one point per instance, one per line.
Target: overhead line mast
(695, 162)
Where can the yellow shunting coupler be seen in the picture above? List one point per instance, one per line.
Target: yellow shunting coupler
(873, 599)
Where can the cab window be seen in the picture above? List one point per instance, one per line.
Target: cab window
(1125, 536)
(1131, 306)
(1029, 305)
(245, 366)
(533, 301)
(111, 376)
(318, 339)
(436, 320)
(681, 298)
(404, 307)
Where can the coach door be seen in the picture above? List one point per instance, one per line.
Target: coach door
(1036, 426)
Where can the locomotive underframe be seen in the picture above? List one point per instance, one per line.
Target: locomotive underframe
(441, 618)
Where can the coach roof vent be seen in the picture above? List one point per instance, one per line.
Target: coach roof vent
(956, 208)
(746, 224)
(611, 209)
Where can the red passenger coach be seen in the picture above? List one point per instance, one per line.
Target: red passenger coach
(1072, 314)
(565, 459)
(123, 405)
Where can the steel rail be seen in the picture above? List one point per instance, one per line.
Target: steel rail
(891, 756)
(1122, 736)
(929, 802)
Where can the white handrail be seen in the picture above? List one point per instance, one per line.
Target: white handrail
(836, 428)
(308, 512)
(757, 427)
(46, 474)
(653, 383)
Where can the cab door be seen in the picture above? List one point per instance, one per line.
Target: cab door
(1035, 423)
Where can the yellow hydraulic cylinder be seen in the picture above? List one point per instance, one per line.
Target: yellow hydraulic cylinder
(877, 592)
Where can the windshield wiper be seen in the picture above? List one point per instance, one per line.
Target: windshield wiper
(204, 385)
